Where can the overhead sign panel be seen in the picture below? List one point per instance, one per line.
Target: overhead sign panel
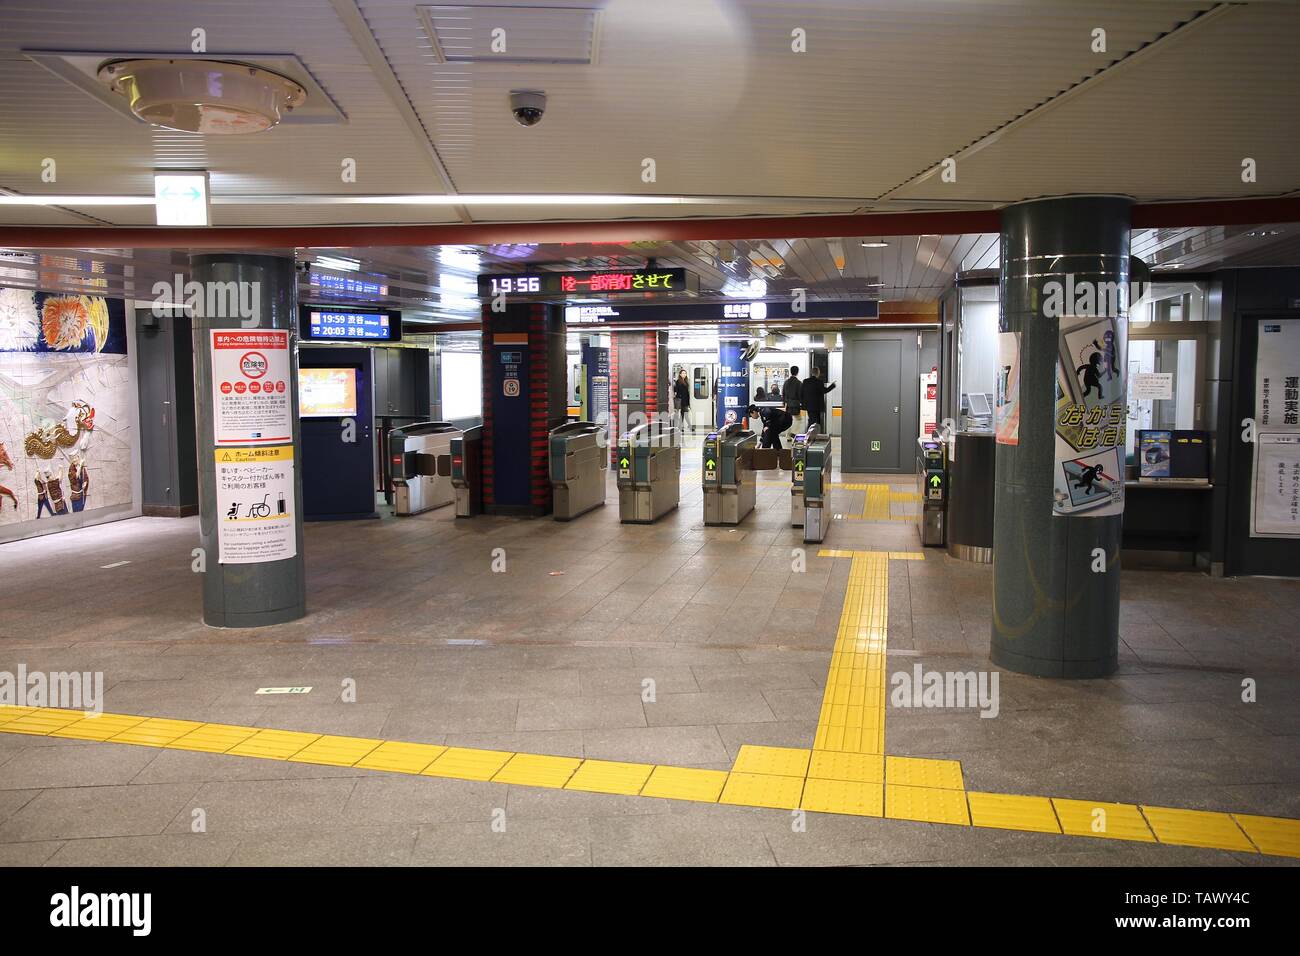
(597, 283)
(322, 323)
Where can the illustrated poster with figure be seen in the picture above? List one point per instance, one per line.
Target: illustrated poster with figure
(1090, 417)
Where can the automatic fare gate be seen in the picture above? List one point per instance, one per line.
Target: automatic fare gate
(578, 463)
(810, 487)
(649, 472)
(728, 476)
(467, 471)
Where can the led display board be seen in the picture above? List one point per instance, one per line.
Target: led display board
(323, 323)
(598, 283)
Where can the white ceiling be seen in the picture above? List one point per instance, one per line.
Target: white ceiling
(707, 88)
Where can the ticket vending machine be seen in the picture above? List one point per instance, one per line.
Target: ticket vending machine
(932, 475)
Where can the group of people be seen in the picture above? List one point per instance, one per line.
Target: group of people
(798, 396)
(807, 396)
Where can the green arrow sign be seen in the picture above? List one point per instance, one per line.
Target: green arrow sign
(798, 466)
(709, 464)
(935, 481)
(622, 462)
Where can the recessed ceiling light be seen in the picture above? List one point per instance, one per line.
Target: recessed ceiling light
(875, 245)
(341, 263)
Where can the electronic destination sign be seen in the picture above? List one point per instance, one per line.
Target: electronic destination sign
(601, 282)
(323, 323)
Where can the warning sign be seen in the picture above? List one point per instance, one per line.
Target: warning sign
(255, 504)
(251, 388)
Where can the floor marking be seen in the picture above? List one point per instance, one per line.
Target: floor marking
(833, 777)
(115, 564)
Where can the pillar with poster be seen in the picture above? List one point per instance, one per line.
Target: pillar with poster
(1090, 415)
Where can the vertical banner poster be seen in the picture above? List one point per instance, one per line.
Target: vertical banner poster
(1006, 411)
(1090, 415)
(733, 381)
(1275, 495)
(929, 402)
(251, 391)
(255, 504)
(595, 389)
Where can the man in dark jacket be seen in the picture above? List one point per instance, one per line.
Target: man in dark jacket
(775, 421)
(814, 399)
(791, 394)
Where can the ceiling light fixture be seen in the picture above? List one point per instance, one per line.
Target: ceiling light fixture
(875, 245)
(203, 96)
(341, 263)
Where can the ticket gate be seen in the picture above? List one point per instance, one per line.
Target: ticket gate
(578, 464)
(649, 463)
(467, 472)
(932, 475)
(810, 487)
(419, 457)
(728, 475)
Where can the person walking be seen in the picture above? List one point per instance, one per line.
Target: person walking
(813, 393)
(682, 399)
(791, 395)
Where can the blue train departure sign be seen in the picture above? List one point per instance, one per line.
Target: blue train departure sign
(326, 324)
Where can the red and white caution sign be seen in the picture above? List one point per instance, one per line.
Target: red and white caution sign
(250, 390)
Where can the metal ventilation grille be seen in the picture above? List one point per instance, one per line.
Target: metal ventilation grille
(511, 34)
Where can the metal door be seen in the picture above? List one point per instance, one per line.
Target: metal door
(880, 402)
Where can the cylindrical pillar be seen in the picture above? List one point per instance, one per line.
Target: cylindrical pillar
(1059, 483)
(246, 400)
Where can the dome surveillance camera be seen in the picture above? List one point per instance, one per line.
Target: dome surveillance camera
(528, 106)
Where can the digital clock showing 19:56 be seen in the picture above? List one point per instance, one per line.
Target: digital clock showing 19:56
(600, 282)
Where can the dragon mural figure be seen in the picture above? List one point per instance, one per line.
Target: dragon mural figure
(45, 441)
(6, 462)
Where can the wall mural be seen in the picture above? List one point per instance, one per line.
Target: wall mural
(66, 406)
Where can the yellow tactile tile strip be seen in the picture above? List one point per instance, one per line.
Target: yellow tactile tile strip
(820, 780)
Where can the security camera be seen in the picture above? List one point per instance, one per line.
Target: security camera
(528, 106)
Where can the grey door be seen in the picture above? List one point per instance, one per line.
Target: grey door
(880, 402)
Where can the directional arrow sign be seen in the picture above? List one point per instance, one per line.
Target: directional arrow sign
(709, 464)
(622, 462)
(798, 466)
(935, 481)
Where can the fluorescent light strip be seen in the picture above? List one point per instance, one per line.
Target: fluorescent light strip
(470, 199)
(76, 200)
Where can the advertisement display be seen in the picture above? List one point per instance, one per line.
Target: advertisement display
(1275, 497)
(255, 504)
(1006, 410)
(1088, 477)
(67, 413)
(327, 392)
(929, 403)
(251, 396)
(733, 382)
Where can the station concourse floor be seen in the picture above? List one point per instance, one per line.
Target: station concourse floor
(550, 657)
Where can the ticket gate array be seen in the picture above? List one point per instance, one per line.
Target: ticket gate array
(649, 472)
(810, 487)
(932, 475)
(578, 463)
(467, 472)
(728, 475)
(420, 460)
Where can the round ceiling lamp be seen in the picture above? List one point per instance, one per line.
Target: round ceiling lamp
(203, 96)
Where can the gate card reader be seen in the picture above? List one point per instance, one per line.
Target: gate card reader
(420, 460)
(578, 465)
(728, 475)
(649, 464)
(810, 485)
(467, 471)
(932, 475)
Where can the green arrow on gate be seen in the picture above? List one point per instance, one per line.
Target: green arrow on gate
(798, 466)
(935, 481)
(622, 462)
(709, 464)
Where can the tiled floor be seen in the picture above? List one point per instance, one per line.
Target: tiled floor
(558, 655)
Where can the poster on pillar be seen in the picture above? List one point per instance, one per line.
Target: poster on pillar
(1006, 411)
(255, 503)
(1088, 477)
(595, 389)
(1275, 493)
(252, 395)
(733, 382)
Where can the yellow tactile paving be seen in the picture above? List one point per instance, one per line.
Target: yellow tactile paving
(608, 776)
(762, 790)
(207, 738)
(1197, 828)
(685, 783)
(535, 770)
(779, 761)
(10, 712)
(923, 772)
(158, 732)
(465, 764)
(273, 744)
(859, 768)
(98, 727)
(844, 796)
(336, 751)
(1005, 811)
(926, 804)
(43, 721)
(1275, 836)
(1094, 818)
(398, 757)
